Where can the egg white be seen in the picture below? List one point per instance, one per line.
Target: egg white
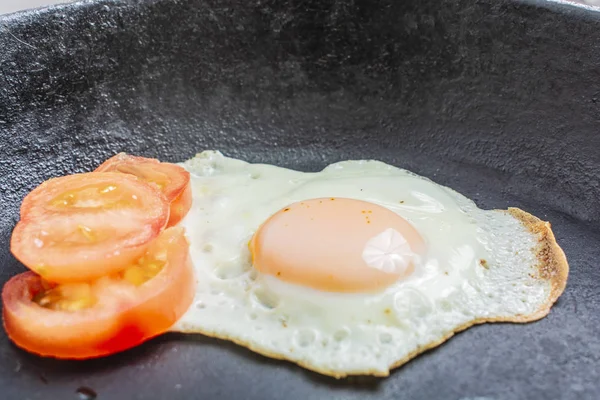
(479, 266)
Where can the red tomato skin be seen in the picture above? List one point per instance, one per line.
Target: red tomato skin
(180, 206)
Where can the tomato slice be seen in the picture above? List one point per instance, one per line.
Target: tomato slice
(172, 180)
(84, 226)
(87, 320)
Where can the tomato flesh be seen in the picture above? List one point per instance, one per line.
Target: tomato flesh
(81, 227)
(171, 179)
(91, 193)
(114, 313)
(67, 297)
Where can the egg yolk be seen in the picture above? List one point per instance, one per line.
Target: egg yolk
(336, 245)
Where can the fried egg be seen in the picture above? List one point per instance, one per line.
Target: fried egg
(357, 268)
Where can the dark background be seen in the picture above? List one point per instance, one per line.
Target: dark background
(497, 99)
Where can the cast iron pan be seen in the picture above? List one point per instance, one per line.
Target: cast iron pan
(499, 100)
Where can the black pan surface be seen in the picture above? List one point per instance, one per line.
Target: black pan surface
(499, 100)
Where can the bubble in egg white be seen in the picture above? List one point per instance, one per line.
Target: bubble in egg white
(341, 335)
(265, 299)
(229, 269)
(385, 338)
(305, 337)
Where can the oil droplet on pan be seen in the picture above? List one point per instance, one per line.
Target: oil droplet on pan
(85, 393)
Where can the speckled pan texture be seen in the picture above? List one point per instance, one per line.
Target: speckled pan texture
(499, 100)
